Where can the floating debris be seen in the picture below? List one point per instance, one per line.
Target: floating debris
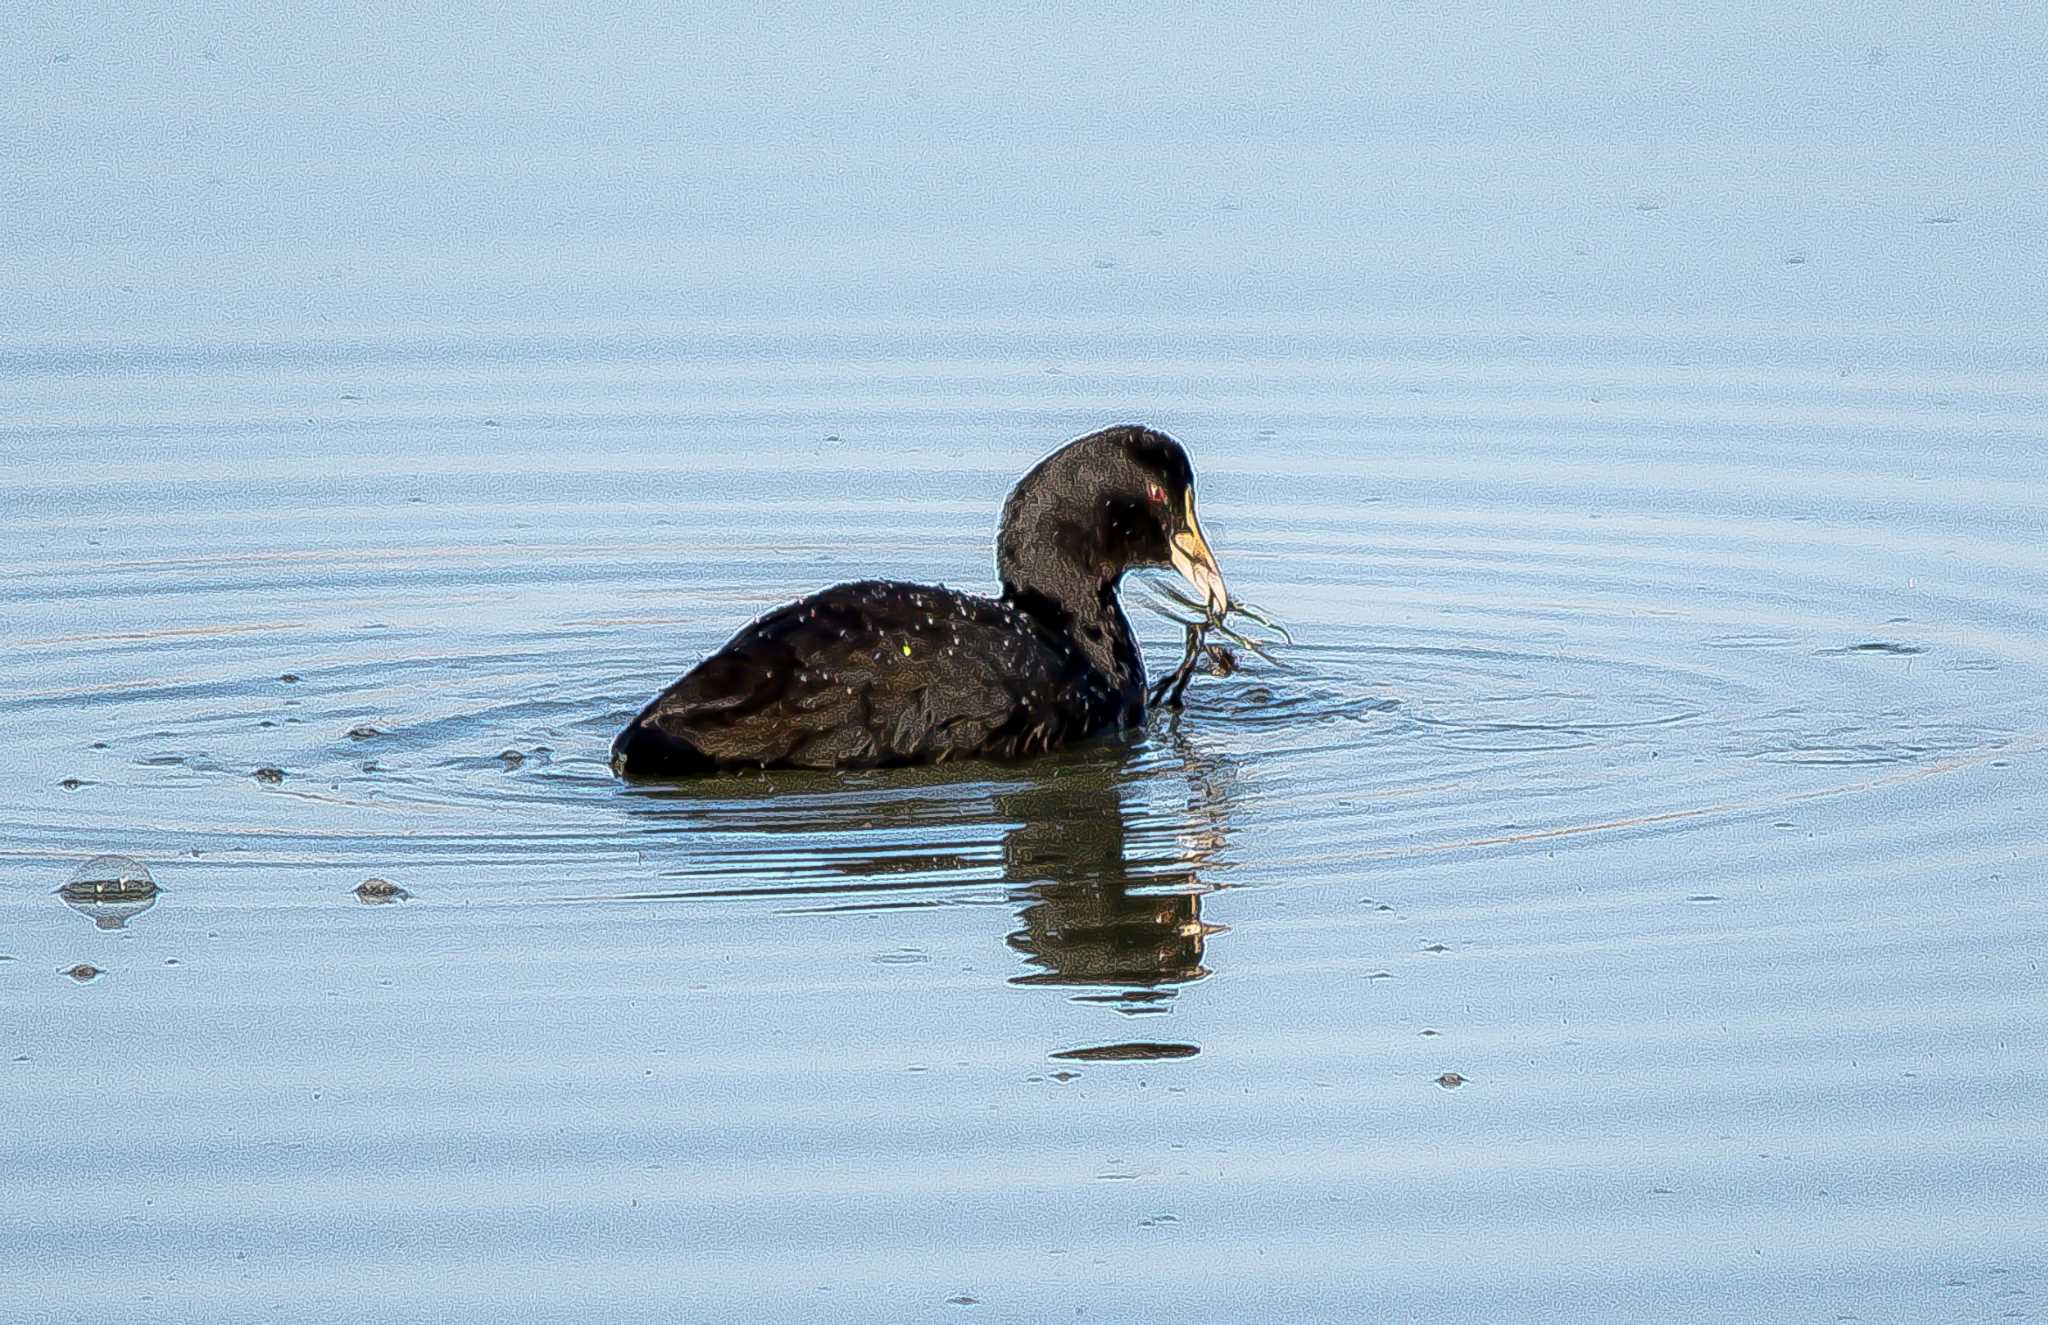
(268, 776)
(378, 891)
(1136, 1051)
(1886, 648)
(1451, 1080)
(109, 877)
(289, 678)
(85, 972)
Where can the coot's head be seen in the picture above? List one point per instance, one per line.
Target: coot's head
(1103, 504)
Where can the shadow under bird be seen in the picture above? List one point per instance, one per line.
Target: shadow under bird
(879, 673)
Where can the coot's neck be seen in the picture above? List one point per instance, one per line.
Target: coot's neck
(1095, 623)
(1058, 579)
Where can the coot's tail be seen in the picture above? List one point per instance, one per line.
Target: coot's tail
(644, 750)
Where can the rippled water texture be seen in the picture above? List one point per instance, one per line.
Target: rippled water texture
(1627, 903)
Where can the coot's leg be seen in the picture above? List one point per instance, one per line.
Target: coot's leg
(1173, 686)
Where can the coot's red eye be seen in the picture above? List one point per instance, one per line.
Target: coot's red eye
(1156, 493)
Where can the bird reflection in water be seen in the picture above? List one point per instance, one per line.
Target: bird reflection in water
(1102, 851)
(1110, 900)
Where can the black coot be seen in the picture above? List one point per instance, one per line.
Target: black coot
(877, 673)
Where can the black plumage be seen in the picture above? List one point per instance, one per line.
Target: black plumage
(878, 673)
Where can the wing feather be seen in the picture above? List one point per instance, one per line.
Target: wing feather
(870, 673)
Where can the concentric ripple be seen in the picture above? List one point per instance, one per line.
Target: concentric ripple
(385, 664)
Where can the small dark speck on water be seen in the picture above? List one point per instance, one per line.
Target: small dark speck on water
(1889, 648)
(1436, 947)
(71, 784)
(963, 1301)
(289, 678)
(511, 758)
(99, 745)
(380, 890)
(269, 776)
(363, 733)
(1450, 1081)
(1703, 897)
(84, 971)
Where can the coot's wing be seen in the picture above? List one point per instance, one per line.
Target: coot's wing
(868, 674)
